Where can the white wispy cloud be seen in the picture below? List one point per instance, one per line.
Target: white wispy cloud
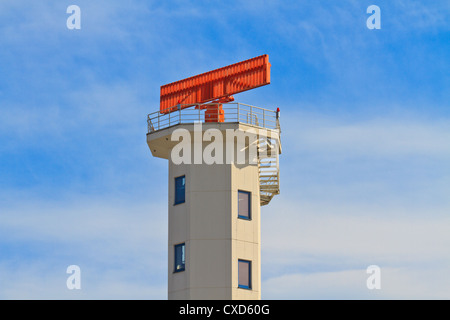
(321, 251)
(390, 233)
(120, 248)
(388, 136)
(396, 283)
(367, 191)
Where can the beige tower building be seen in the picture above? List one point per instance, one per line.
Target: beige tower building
(223, 166)
(214, 236)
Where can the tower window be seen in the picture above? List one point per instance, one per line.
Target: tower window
(180, 189)
(244, 274)
(179, 257)
(244, 205)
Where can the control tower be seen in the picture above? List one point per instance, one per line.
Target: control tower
(223, 166)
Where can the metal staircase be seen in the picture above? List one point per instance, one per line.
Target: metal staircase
(269, 173)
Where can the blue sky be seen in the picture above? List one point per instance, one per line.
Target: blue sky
(365, 169)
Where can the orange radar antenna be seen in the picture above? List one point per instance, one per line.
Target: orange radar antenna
(216, 87)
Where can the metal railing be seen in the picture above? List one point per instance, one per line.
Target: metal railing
(232, 112)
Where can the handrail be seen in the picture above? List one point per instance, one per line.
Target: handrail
(232, 112)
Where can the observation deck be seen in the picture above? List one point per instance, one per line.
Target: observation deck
(268, 146)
